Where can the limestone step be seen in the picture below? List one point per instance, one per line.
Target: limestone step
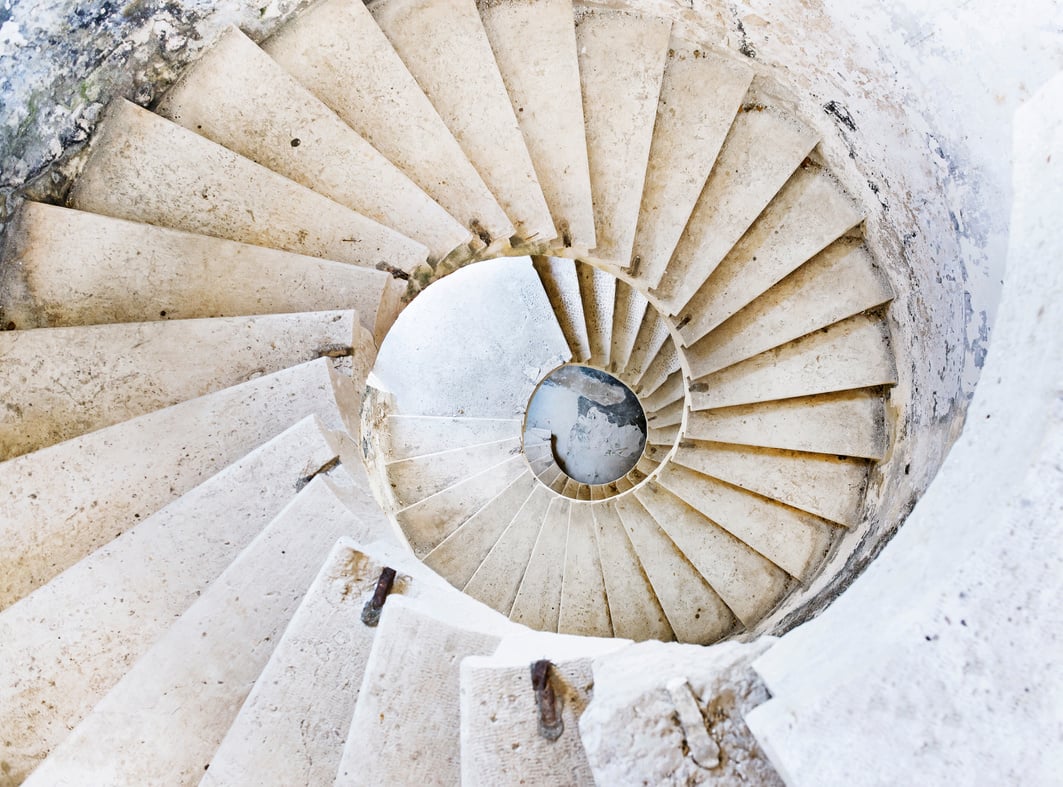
(584, 609)
(165, 718)
(543, 463)
(60, 383)
(664, 365)
(668, 392)
(561, 282)
(65, 267)
(538, 600)
(836, 284)
(444, 46)
(407, 719)
(670, 415)
(623, 484)
(794, 541)
(850, 423)
(570, 487)
(695, 612)
(647, 464)
(583, 492)
(238, 96)
(534, 44)
(415, 479)
(598, 293)
(628, 313)
(603, 491)
(144, 168)
(764, 147)
(701, 92)
(621, 60)
(853, 353)
(69, 641)
(62, 503)
(326, 47)
(652, 335)
(747, 582)
(560, 482)
(410, 436)
(827, 486)
(428, 522)
(810, 213)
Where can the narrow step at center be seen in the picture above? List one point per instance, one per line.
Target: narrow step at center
(597, 425)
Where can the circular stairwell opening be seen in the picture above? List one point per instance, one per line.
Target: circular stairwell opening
(594, 423)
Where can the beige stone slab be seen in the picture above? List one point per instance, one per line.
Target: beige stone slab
(239, 97)
(836, 284)
(598, 293)
(558, 484)
(671, 390)
(570, 487)
(849, 423)
(808, 214)
(144, 168)
(628, 313)
(561, 283)
(763, 148)
(663, 366)
(444, 46)
(827, 486)
(407, 720)
(61, 503)
(669, 415)
(534, 43)
(584, 608)
(60, 383)
(701, 92)
(66, 644)
(417, 435)
(413, 480)
(326, 47)
(538, 601)
(163, 721)
(621, 60)
(652, 335)
(623, 484)
(65, 267)
(428, 522)
(747, 582)
(854, 353)
(695, 612)
(792, 540)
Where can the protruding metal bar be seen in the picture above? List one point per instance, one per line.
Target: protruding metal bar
(551, 725)
(374, 606)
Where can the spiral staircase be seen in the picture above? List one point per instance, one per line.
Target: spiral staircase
(208, 467)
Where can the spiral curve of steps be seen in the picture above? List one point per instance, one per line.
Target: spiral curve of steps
(205, 464)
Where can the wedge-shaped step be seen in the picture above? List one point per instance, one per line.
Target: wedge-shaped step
(621, 60)
(429, 521)
(144, 168)
(501, 744)
(700, 94)
(560, 483)
(628, 313)
(670, 415)
(670, 391)
(652, 335)
(634, 611)
(239, 97)
(854, 353)
(695, 612)
(598, 292)
(792, 540)
(850, 423)
(810, 213)
(163, 721)
(63, 382)
(407, 717)
(340, 55)
(413, 480)
(409, 436)
(827, 486)
(61, 503)
(561, 282)
(836, 284)
(538, 601)
(762, 150)
(584, 609)
(535, 48)
(67, 643)
(446, 49)
(664, 365)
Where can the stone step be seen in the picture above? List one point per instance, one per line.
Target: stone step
(144, 168)
(701, 92)
(570, 487)
(623, 484)
(560, 482)
(664, 365)
(671, 390)
(238, 96)
(65, 267)
(63, 502)
(166, 717)
(538, 600)
(628, 313)
(669, 415)
(69, 641)
(662, 435)
(584, 609)
(827, 486)
(808, 214)
(325, 47)
(853, 353)
(444, 46)
(534, 43)
(407, 719)
(412, 480)
(598, 294)
(561, 282)
(652, 335)
(695, 612)
(849, 423)
(764, 147)
(410, 436)
(64, 382)
(621, 60)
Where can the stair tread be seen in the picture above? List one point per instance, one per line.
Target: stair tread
(598, 294)
(538, 601)
(561, 282)
(652, 335)
(628, 312)
(669, 415)
(410, 436)
(584, 609)
(664, 365)
(412, 480)
(668, 392)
